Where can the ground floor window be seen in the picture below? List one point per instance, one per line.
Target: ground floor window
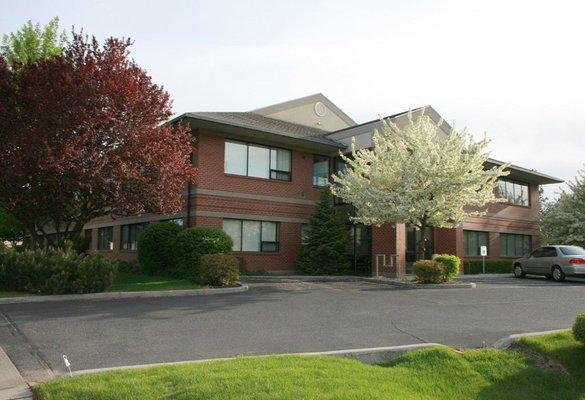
(304, 233)
(254, 236)
(512, 245)
(105, 238)
(130, 235)
(472, 241)
(176, 221)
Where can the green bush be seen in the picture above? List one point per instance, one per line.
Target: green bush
(428, 271)
(579, 328)
(219, 269)
(471, 267)
(55, 271)
(131, 267)
(193, 243)
(156, 248)
(451, 265)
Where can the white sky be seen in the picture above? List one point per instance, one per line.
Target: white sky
(513, 69)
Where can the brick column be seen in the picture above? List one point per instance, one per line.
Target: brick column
(389, 239)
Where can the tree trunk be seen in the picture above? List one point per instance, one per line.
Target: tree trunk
(421, 244)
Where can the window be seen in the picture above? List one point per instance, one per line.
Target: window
(572, 250)
(512, 245)
(304, 233)
(87, 234)
(339, 166)
(473, 240)
(177, 221)
(254, 236)
(105, 238)
(514, 193)
(130, 235)
(320, 170)
(257, 161)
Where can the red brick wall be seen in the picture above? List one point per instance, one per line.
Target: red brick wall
(296, 205)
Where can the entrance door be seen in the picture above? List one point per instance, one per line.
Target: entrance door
(413, 235)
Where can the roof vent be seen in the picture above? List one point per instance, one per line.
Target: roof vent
(320, 109)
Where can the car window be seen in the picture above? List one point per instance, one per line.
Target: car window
(549, 252)
(572, 250)
(537, 253)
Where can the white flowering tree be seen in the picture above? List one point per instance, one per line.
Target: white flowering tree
(416, 175)
(564, 220)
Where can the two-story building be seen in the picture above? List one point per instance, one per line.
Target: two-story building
(261, 172)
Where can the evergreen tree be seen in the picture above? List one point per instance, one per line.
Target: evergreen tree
(326, 249)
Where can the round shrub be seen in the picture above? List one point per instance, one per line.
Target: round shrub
(579, 328)
(156, 247)
(428, 271)
(451, 265)
(219, 269)
(193, 243)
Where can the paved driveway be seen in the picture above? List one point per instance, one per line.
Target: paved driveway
(273, 318)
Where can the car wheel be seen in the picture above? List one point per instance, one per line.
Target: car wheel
(558, 274)
(518, 271)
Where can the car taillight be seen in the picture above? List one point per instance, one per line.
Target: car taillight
(577, 261)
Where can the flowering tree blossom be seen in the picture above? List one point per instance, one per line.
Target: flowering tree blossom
(415, 175)
(563, 222)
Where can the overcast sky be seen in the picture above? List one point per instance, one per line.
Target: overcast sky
(513, 69)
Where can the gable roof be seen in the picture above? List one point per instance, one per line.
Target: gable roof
(274, 108)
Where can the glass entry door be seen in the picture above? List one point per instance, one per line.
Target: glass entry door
(413, 235)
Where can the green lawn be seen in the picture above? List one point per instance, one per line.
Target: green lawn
(128, 282)
(438, 373)
(13, 294)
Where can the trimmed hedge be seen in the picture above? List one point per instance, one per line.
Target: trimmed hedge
(191, 244)
(55, 271)
(219, 269)
(428, 271)
(451, 265)
(156, 247)
(579, 328)
(471, 267)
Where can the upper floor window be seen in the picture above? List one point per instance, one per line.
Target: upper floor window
(257, 161)
(105, 238)
(130, 235)
(514, 193)
(320, 170)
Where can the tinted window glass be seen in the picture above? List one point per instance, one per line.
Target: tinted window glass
(320, 170)
(550, 252)
(572, 250)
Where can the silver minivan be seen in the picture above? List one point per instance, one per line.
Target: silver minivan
(556, 262)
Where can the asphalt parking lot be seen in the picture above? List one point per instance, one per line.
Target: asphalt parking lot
(277, 318)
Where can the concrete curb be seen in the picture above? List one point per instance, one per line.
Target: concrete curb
(368, 355)
(12, 385)
(343, 278)
(123, 295)
(506, 342)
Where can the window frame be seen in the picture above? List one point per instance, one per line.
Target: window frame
(126, 247)
(272, 172)
(109, 229)
(261, 242)
(504, 238)
(328, 160)
(515, 184)
(466, 233)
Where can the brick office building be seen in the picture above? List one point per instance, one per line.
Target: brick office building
(261, 172)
